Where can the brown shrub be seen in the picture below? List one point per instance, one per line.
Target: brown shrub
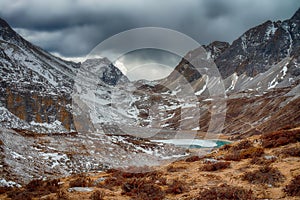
(34, 189)
(292, 151)
(141, 188)
(244, 154)
(251, 152)
(118, 177)
(172, 168)
(177, 187)
(41, 187)
(139, 174)
(19, 195)
(215, 166)
(225, 147)
(264, 175)
(234, 156)
(49, 198)
(192, 159)
(245, 144)
(293, 188)
(81, 181)
(62, 195)
(34, 185)
(142, 185)
(280, 138)
(262, 161)
(97, 195)
(225, 192)
(5, 189)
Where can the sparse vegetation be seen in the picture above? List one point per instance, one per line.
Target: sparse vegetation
(192, 159)
(262, 160)
(264, 175)
(33, 189)
(172, 168)
(97, 195)
(237, 155)
(145, 183)
(225, 192)
(293, 188)
(292, 151)
(118, 178)
(5, 189)
(19, 195)
(280, 138)
(245, 144)
(143, 189)
(241, 150)
(177, 187)
(81, 181)
(215, 166)
(62, 195)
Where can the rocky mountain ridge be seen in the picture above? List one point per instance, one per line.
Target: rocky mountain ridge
(36, 86)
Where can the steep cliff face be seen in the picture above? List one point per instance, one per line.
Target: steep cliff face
(35, 86)
(34, 108)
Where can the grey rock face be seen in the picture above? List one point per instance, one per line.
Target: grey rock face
(37, 86)
(260, 47)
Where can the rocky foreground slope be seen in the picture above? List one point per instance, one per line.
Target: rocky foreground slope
(260, 167)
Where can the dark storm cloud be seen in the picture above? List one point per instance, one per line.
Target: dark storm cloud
(74, 27)
(215, 8)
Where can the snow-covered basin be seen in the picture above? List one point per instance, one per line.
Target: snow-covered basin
(194, 143)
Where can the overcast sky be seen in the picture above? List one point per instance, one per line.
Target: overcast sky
(71, 28)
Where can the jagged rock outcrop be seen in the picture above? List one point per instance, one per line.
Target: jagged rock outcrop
(216, 48)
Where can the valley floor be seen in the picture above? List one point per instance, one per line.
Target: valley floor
(260, 167)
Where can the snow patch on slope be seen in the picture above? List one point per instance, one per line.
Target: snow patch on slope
(270, 31)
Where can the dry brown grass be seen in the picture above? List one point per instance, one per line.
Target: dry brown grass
(262, 160)
(264, 175)
(293, 188)
(62, 195)
(177, 187)
(174, 168)
(192, 159)
(238, 155)
(291, 151)
(143, 189)
(97, 195)
(280, 138)
(225, 192)
(215, 166)
(118, 178)
(35, 188)
(81, 181)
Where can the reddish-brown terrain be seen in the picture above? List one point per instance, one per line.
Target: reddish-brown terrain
(260, 167)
